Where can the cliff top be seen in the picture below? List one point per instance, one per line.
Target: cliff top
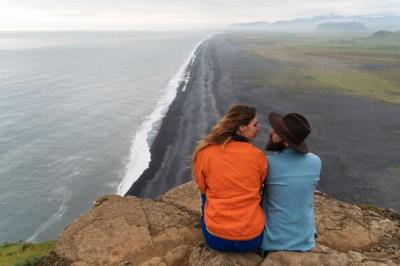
(132, 231)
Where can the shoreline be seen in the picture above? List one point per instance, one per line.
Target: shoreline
(140, 150)
(355, 168)
(178, 133)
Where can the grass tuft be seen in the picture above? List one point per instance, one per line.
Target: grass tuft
(23, 254)
(397, 170)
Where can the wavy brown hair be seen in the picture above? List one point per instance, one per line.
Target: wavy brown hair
(236, 116)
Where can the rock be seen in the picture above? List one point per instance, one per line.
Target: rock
(322, 256)
(156, 261)
(128, 229)
(107, 234)
(132, 231)
(52, 259)
(202, 255)
(343, 226)
(175, 257)
(179, 256)
(186, 196)
(311, 259)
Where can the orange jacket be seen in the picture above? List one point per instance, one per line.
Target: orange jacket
(231, 179)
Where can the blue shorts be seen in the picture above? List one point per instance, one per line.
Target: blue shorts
(221, 244)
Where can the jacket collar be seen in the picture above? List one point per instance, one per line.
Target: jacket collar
(289, 150)
(239, 138)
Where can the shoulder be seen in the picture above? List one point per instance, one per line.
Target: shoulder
(260, 155)
(314, 159)
(204, 153)
(256, 151)
(274, 158)
(310, 157)
(208, 150)
(245, 148)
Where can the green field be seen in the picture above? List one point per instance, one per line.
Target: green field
(362, 66)
(23, 254)
(397, 169)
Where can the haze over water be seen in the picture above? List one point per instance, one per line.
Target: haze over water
(70, 105)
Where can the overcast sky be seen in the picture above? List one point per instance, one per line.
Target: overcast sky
(171, 14)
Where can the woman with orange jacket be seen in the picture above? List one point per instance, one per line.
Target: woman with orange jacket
(229, 172)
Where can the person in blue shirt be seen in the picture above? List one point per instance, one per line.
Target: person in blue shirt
(288, 194)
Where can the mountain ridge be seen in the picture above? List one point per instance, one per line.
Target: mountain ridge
(372, 22)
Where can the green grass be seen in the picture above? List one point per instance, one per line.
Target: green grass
(23, 254)
(373, 208)
(397, 170)
(388, 213)
(381, 47)
(359, 83)
(358, 66)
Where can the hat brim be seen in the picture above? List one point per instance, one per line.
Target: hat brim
(276, 122)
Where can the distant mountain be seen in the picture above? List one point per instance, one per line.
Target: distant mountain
(257, 25)
(373, 23)
(303, 24)
(385, 34)
(342, 26)
(376, 23)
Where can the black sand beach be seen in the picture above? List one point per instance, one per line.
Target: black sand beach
(357, 138)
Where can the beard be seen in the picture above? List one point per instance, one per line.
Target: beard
(277, 146)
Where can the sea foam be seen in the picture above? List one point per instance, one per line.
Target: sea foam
(140, 155)
(61, 194)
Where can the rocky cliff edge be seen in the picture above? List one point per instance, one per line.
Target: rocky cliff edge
(132, 231)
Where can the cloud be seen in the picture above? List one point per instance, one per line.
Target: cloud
(143, 14)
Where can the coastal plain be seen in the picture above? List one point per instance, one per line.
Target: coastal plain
(359, 66)
(347, 86)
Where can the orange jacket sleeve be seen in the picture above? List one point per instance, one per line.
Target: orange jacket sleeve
(199, 173)
(264, 168)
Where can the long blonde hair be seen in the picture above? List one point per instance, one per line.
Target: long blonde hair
(236, 116)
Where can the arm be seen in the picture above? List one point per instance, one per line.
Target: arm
(201, 183)
(264, 169)
(263, 176)
(199, 177)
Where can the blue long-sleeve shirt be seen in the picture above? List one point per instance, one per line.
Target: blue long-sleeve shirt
(288, 201)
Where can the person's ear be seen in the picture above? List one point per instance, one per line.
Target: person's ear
(286, 144)
(242, 128)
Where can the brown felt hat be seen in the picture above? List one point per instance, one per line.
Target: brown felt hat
(292, 128)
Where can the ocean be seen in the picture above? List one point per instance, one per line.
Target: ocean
(78, 113)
